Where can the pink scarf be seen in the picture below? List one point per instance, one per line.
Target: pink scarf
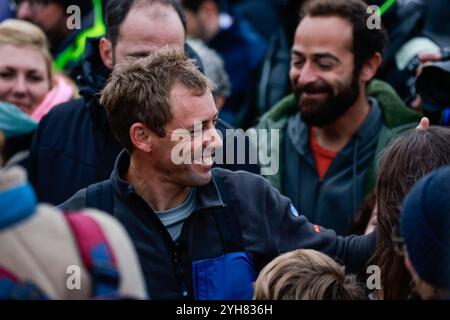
(61, 92)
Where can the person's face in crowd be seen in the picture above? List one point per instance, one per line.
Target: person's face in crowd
(203, 24)
(322, 69)
(145, 29)
(24, 76)
(48, 15)
(198, 149)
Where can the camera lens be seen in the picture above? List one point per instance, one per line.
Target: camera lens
(433, 85)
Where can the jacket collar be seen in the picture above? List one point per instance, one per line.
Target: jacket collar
(92, 81)
(94, 72)
(208, 196)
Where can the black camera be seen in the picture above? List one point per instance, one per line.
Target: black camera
(433, 84)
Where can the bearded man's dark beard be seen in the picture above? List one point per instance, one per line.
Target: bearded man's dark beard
(320, 114)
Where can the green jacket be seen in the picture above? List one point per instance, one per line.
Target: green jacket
(397, 118)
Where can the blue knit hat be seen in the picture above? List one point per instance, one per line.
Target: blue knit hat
(425, 227)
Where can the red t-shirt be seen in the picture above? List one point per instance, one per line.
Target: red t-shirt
(322, 156)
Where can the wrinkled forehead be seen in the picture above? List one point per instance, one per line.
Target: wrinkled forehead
(156, 23)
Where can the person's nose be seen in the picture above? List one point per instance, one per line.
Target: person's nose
(24, 11)
(306, 75)
(20, 86)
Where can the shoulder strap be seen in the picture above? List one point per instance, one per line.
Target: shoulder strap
(12, 289)
(96, 254)
(227, 220)
(99, 196)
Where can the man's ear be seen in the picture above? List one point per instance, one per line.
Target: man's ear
(106, 52)
(141, 137)
(370, 68)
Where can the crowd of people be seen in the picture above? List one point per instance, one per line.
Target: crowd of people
(111, 186)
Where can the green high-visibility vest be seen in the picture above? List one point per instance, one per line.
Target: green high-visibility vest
(76, 50)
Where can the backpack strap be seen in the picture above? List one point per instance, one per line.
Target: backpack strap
(96, 254)
(12, 289)
(227, 220)
(99, 196)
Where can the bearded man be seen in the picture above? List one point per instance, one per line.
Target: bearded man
(337, 120)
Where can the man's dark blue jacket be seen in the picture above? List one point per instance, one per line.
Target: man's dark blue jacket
(239, 224)
(73, 146)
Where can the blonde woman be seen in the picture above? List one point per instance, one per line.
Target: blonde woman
(26, 76)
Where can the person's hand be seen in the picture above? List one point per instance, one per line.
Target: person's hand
(424, 124)
(427, 58)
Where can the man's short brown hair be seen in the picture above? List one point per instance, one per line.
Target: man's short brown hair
(306, 275)
(138, 91)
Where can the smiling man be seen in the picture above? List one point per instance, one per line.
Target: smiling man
(200, 232)
(337, 120)
(73, 146)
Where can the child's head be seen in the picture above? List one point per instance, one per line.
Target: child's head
(306, 275)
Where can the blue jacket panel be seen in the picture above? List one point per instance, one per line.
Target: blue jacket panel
(227, 277)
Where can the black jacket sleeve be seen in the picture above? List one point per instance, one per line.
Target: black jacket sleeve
(294, 231)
